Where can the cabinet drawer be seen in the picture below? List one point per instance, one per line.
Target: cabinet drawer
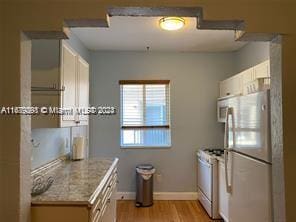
(109, 208)
(100, 204)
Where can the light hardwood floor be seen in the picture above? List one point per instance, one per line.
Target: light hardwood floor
(162, 211)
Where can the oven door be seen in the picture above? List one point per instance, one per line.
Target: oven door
(205, 178)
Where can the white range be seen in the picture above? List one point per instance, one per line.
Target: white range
(207, 180)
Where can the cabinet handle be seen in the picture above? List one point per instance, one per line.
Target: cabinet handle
(77, 121)
(98, 209)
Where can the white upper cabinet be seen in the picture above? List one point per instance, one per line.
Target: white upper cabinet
(253, 79)
(64, 85)
(69, 81)
(231, 86)
(247, 75)
(83, 89)
(262, 70)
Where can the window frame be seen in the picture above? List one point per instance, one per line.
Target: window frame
(167, 126)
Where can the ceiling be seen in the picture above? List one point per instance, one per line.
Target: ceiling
(137, 33)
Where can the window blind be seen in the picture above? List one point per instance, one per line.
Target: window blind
(145, 113)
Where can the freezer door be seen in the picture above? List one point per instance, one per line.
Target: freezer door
(252, 126)
(250, 196)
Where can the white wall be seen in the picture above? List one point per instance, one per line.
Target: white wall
(194, 90)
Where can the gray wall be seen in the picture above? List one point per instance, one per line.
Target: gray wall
(53, 142)
(194, 90)
(250, 55)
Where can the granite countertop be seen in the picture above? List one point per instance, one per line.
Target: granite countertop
(76, 182)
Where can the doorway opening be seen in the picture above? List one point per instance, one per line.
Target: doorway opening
(131, 49)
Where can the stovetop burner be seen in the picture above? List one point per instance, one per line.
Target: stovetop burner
(216, 152)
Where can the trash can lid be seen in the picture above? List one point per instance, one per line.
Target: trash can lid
(145, 167)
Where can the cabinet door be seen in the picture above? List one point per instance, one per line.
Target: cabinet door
(83, 88)
(262, 70)
(110, 213)
(236, 85)
(231, 86)
(248, 76)
(68, 78)
(223, 195)
(223, 88)
(113, 205)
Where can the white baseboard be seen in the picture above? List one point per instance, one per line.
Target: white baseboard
(160, 195)
(126, 195)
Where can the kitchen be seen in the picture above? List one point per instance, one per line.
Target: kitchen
(208, 67)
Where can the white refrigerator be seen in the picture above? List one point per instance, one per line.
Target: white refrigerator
(248, 157)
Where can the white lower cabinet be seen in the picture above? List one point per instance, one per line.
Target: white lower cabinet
(110, 213)
(223, 195)
(104, 208)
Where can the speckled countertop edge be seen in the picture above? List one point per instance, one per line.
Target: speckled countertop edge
(46, 199)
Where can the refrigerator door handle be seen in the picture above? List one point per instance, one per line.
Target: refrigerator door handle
(228, 186)
(230, 113)
(226, 146)
(226, 129)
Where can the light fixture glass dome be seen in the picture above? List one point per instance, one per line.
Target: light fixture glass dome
(171, 23)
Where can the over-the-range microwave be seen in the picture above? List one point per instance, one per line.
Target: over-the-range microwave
(221, 110)
(222, 106)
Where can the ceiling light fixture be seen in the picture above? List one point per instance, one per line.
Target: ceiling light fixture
(171, 23)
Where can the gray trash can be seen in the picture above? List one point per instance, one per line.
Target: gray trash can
(144, 179)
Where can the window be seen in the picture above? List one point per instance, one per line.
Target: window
(145, 113)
